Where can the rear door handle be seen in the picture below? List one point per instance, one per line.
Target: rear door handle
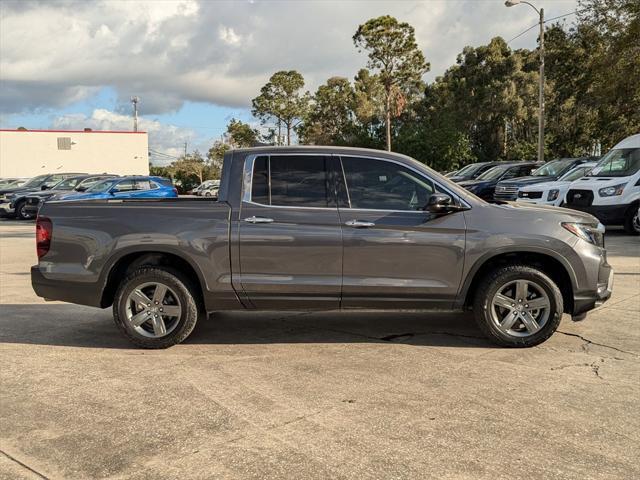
(255, 219)
(359, 224)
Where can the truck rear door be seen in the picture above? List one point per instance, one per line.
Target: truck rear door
(290, 238)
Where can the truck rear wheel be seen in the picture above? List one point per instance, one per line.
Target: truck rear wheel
(518, 306)
(156, 307)
(632, 221)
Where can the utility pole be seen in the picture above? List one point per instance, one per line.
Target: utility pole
(134, 102)
(185, 149)
(511, 3)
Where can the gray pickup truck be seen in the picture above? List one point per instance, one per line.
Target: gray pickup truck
(303, 228)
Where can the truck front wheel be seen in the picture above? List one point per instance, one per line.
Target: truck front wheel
(156, 307)
(518, 306)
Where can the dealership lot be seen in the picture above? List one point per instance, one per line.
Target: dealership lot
(323, 395)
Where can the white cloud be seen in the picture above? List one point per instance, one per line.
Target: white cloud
(222, 52)
(229, 36)
(163, 138)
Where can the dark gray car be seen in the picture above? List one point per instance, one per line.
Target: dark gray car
(304, 228)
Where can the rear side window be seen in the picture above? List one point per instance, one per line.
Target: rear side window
(383, 185)
(291, 181)
(125, 186)
(145, 185)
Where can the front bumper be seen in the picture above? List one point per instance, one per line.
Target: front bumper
(585, 302)
(607, 214)
(6, 210)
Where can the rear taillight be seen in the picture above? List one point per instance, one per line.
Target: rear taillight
(44, 230)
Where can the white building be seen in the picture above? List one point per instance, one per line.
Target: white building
(26, 153)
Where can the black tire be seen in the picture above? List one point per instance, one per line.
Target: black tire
(502, 276)
(20, 212)
(188, 299)
(631, 225)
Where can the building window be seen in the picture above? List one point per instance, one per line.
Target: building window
(64, 143)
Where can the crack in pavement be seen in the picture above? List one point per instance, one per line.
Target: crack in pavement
(591, 342)
(23, 465)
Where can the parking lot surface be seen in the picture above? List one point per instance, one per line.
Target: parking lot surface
(323, 395)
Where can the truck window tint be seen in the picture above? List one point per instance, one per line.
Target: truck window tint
(296, 181)
(381, 185)
(260, 185)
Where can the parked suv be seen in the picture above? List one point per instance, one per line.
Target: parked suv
(552, 193)
(484, 186)
(34, 200)
(305, 228)
(549, 172)
(127, 187)
(8, 205)
(611, 192)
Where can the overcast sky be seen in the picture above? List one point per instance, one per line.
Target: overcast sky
(196, 64)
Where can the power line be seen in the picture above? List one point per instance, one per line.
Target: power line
(546, 21)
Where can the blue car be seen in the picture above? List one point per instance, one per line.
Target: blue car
(127, 187)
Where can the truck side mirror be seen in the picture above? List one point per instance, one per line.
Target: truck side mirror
(440, 204)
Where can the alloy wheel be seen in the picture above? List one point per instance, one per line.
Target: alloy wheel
(520, 308)
(635, 222)
(153, 309)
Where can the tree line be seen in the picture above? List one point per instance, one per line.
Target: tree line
(482, 108)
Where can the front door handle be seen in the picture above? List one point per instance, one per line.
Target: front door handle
(359, 224)
(255, 219)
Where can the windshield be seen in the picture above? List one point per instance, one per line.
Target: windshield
(554, 168)
(35, 181)
(493, 173)
(469, 170)
(621, 162)
(101, 186)
(576, 173)
(67, 184)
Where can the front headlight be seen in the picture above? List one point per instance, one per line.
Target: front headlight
(553, 194)
(612, 191)
(593, 234)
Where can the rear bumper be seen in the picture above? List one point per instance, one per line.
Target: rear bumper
(607, 214)
(65, 291)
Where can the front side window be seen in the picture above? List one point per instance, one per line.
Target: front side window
(290, 181)
(383, 185)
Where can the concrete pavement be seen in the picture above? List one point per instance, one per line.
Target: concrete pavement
(324, 395)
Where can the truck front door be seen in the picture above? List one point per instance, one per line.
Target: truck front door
(396, 255)
(290, 239)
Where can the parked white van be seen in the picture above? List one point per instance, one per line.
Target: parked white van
(553, 193)
(611, 191)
